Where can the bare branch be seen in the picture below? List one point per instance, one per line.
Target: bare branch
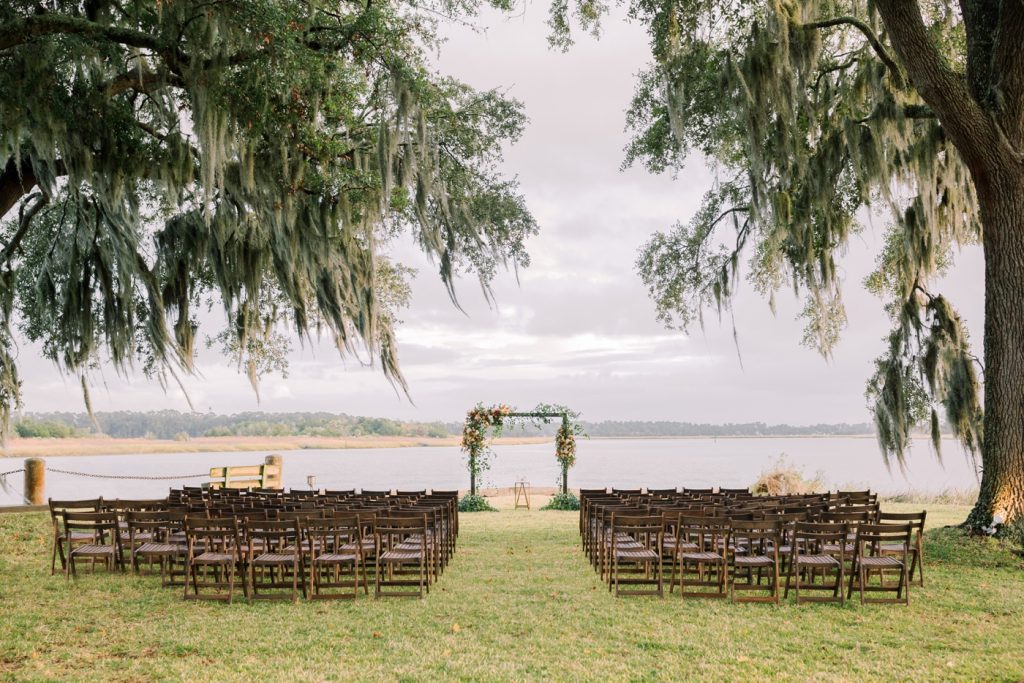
(876, 44)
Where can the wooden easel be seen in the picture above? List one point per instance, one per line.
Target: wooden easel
(522, 494)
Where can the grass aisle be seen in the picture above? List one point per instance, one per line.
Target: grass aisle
(519, 602)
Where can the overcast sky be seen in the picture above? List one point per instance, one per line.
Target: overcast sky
(578, 327)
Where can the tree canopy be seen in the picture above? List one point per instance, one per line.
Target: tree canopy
(811, 114)
(253, 156)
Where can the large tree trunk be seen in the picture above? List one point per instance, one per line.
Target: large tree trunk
(1001, 199)
(984, 118)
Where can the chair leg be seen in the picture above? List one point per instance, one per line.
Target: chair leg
(69, 563)
(58, 546)
(918, 562)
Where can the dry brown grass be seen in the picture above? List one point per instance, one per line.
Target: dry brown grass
(785, 479)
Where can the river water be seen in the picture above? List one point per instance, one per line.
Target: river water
(841, 462)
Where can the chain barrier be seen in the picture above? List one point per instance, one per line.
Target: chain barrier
(128, 476)
(4, 486)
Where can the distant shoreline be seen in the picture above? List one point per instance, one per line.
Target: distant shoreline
(19, 447)
(41, 447)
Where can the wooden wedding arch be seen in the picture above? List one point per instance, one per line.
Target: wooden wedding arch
(483, 423)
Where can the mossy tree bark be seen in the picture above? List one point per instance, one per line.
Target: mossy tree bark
(983, 114)
(1001, 198)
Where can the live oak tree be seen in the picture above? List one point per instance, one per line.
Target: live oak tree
(252, 156)
(813, 113)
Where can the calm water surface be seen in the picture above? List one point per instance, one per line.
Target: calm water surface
(660, 463)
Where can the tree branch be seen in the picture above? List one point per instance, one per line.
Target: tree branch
(876, 44)
(962, 117)
(21, 31)
(910, 111)
(841, 66)
(728, 212)
(23, 225)
(142, 82)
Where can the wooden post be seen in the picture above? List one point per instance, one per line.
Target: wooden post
(276, 482)
(472, 473)
(35, 481)
(565, 467)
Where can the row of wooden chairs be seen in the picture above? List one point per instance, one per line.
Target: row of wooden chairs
(718, 544)
(266, 541)
(734, 502)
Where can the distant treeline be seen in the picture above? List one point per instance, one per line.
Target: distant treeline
(616, 428)
(664, 428)
(171, 424)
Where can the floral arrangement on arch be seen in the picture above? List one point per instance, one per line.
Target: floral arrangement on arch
(479, 421)
(483, 422)
(565, 444)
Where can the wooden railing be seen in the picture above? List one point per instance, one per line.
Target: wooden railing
(267, 475)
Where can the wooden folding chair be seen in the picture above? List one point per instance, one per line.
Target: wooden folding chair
(334, 546)
(636, 547)
(755, 555)
(57, 510)
(869, 558)
(274, 548)
(104, 544)
(916, 548)
(401, 551)
(158, 537)
(810, 558)
(214, 558)
(707, 566)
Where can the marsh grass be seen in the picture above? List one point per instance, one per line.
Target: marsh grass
(784, 478)
(519, 602)
(965, 497)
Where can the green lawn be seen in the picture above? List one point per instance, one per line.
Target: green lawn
(519, 602)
